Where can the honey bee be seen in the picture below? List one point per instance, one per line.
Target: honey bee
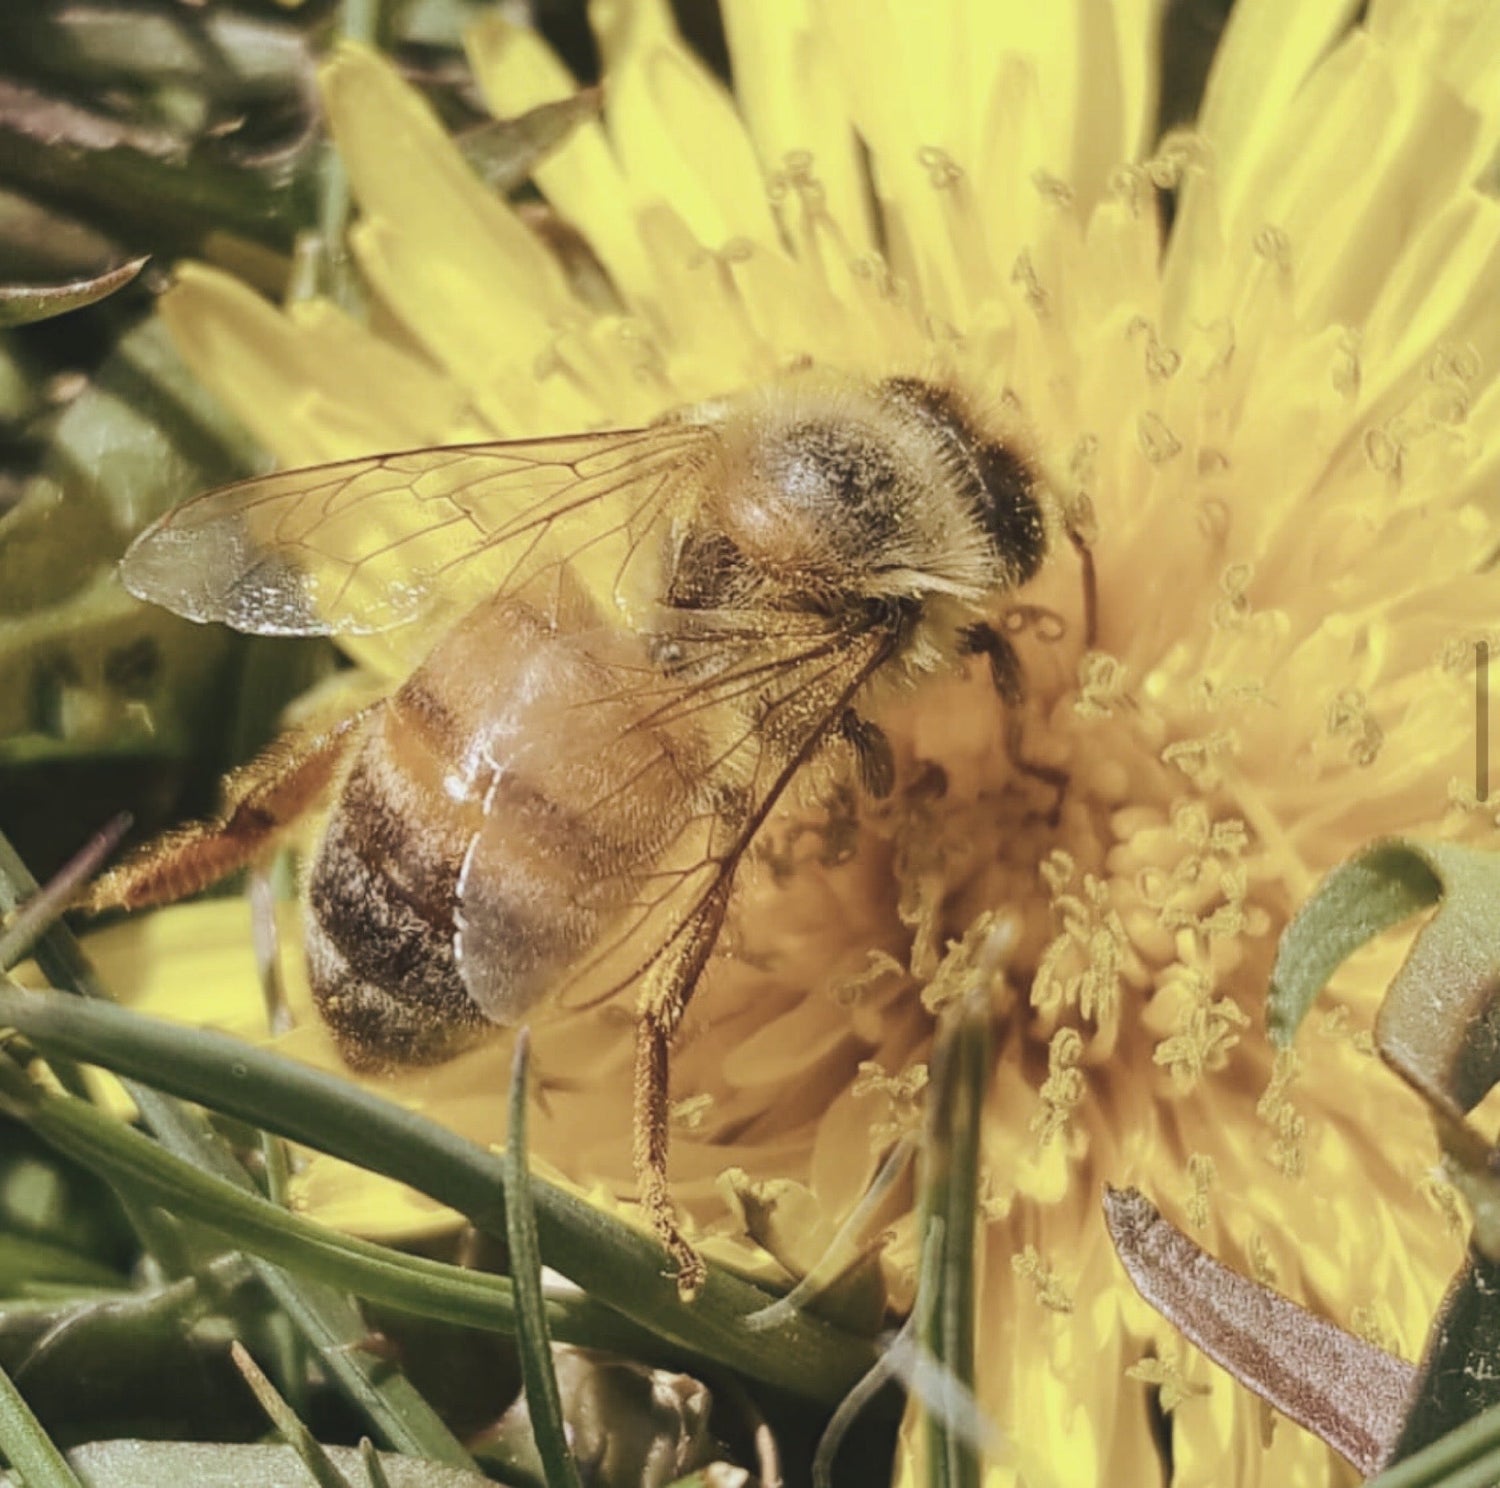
(645, 635)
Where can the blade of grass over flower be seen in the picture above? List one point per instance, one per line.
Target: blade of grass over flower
(307, 1447)
(28, 1449)
(1439, 1022)
(613, 1262)
(413, 1284)
(326, 1318)
(950, 1208)
(543, 1403)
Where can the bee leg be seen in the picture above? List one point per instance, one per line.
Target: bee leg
(1005, 671)
(262, 799)
(663, 1002)
(872, 754)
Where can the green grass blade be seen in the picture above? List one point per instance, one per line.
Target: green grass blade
(374, 1469)
(29, 1450)
(1466, 1458)
(543, 1404)
(308, 1448)
(950, 1209)
(616, 1264)
(412, 1284)
(326, 1318)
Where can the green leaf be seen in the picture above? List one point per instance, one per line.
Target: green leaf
(1385, 884)
(614, 1263)
(21, 304)
(1439, 1024)
(26, 1446)
(543, 1404)
(85, 668)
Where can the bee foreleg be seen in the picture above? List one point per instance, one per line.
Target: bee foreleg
(663, 1002)
(262, 799)
(872, 753)
(1010, 683)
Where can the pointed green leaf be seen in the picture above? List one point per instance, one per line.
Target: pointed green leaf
(506, 151)
(21, 304)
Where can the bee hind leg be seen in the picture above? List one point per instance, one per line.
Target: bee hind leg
(663, 1002)
(262, 799)
(1010, 683)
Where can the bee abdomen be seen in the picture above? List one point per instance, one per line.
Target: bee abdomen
(380, 933)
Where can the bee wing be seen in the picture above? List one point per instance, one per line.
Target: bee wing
(367, 545)
(607, 849)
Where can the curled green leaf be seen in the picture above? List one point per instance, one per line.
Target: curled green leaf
(1439, 1025)
(1382, 886)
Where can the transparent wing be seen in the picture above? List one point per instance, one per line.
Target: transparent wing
(367, 545)
(614, 822)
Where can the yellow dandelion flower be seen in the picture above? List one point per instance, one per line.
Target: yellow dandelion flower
(1277, 422)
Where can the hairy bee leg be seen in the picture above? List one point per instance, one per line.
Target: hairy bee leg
(263, 798)
(663, 1002)
(1005, 672)
(653, 1039)
(872, 752)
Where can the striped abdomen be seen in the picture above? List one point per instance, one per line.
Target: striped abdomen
(498, 819)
